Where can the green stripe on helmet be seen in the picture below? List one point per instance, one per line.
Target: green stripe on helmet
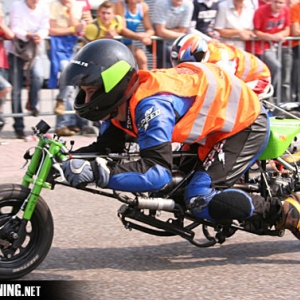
(113, 75)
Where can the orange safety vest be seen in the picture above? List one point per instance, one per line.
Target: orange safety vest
(223, 104)
(248, 66)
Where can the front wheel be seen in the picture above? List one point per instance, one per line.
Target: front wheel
(15, 263)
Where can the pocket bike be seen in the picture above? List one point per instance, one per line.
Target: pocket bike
(26, 223)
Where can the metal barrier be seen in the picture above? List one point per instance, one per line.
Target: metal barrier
(278, 97)
(52, 95)
(285, 88)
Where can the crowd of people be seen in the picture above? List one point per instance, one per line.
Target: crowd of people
(256, 26)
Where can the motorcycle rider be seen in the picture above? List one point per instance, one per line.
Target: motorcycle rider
(244, 65)
(198, 104)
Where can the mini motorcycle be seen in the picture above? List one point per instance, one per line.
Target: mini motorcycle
(26, 223)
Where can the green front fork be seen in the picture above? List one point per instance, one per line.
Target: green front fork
(37, 173)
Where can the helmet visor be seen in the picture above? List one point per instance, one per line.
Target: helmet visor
(79, 73)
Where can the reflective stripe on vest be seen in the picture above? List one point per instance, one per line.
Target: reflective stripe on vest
(247, 66)
(260, 67)
(231, 108)
(223, 105)
(250, 67)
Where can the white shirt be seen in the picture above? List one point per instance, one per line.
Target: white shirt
(23, 20)
(228, 18)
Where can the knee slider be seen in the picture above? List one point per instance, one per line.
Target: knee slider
(199, 206)
(231, 204)
(199, 185)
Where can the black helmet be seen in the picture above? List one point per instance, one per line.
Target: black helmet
(189, 48)
(106, 63)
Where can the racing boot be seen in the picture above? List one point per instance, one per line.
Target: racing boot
(290, 218)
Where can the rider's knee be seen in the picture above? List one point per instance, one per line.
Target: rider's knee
(199, 185)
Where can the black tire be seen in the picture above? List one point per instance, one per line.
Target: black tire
(39, 233)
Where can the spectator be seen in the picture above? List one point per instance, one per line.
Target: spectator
(5, 86)
(65, 25)
(235, 20)
(287, 65)
(107, 25)
(272, 26)
(171, 19)
(29, 19)
(204, 16)
(134, 12)
(295, 31)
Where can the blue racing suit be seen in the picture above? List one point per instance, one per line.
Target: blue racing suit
(156, 117)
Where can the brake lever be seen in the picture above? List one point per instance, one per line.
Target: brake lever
(57, 167)
(26, 162)
(27, 156)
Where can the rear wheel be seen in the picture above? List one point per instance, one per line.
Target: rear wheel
(36, 237)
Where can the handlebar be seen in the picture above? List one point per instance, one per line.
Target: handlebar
(129, 155)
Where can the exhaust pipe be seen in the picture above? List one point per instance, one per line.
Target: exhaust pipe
(156, 203)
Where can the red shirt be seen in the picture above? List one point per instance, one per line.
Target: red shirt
(3, 56)
(266, 22)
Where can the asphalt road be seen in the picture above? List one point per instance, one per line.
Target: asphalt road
(91, 244)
